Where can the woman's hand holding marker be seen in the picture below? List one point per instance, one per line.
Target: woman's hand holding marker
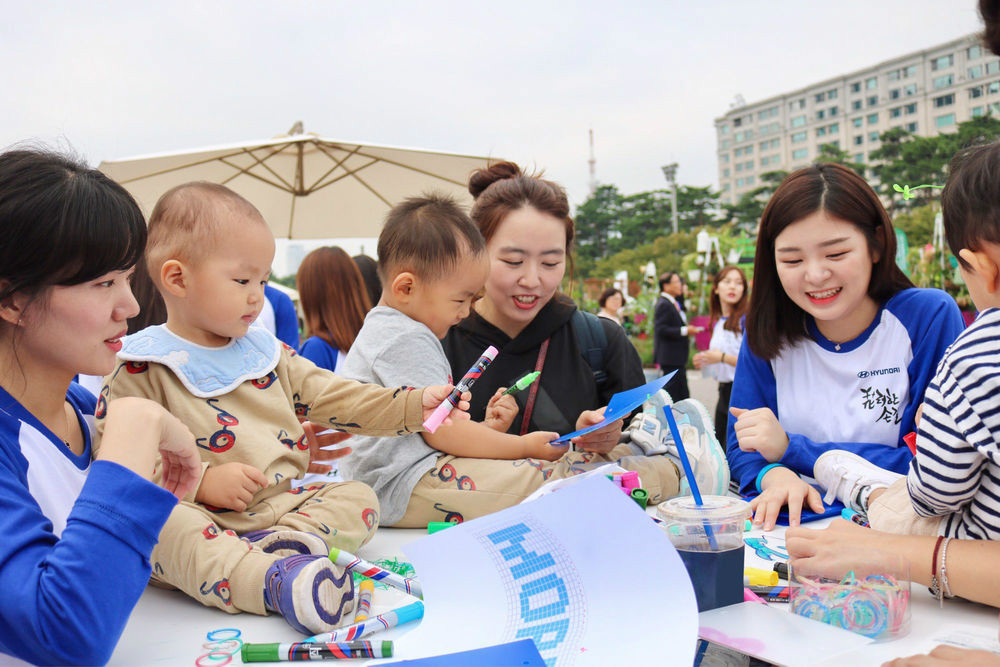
(759, 431)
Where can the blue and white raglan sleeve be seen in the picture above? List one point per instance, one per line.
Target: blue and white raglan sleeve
(67, 600)
(753, 387)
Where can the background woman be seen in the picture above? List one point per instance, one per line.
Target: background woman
(334, 301)
(611, 302)
(69, 238)
(727, 307)
(834, 324)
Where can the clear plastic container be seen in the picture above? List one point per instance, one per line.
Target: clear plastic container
(871, 599)
(709, 540)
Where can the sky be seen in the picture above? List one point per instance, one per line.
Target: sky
(515, 80)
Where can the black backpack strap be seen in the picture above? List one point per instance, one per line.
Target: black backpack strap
(593, 343)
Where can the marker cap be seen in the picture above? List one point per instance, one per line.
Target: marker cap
(260, 653)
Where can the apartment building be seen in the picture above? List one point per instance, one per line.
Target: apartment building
(926, 92)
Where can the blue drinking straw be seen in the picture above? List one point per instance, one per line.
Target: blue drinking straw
(689, 473)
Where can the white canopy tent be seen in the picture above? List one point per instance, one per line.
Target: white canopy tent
(306, 186)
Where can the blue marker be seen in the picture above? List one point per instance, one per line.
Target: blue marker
(856, 517)
(384, 621)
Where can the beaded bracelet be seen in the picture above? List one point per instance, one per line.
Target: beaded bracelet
(945, 588)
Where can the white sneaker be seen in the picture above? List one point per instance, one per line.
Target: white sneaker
(706, 455)
(648, 430)
(846, 476)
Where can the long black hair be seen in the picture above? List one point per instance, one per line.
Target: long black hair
(62, 223)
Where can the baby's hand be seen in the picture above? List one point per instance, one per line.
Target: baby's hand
(500, 411)
(433, 396)
(536, 446)
(230, 485)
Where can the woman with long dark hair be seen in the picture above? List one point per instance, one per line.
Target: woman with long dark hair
(839, 345)
(727, 308)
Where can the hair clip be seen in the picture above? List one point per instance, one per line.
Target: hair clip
(908, 191)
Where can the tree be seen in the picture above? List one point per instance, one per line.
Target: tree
(887, 166)
(747, 211)
(597, 220)
(833, 153)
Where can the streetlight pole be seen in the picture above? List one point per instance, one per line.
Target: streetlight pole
(670, 173)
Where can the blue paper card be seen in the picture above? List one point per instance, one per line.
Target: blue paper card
(621, 404)
(514, 654)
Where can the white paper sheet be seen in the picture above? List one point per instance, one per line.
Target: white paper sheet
(776, 635)
(582, 571)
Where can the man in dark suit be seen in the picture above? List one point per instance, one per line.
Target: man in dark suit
(670, 335)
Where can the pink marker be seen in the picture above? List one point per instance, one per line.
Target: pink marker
(449, 404)
(630, 480)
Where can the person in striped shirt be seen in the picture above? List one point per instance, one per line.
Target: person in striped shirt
(953, 484)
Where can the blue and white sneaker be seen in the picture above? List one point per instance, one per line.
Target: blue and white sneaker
(286, 542)
(650, 432)
(707, 456)
(311, 593)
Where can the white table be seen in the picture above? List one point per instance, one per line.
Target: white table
(169, 628)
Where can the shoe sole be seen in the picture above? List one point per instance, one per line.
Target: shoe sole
(291, 543)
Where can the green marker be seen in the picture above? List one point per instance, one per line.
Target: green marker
(523, 383)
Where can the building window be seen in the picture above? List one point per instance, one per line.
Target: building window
(975, 92)
(872, 83)
(992, 67)
(800, 154)
(873, 136)
(943, 62)
(856, 122)
(978, 111)
(943, 81)
(859, 140)
(856, 105)
(725, 187)
(872, 118)
(739, 166)
(859, 157)
(724, 144)
(909, 71)
(911, 127)
(975, 72)
(895, 112)
(894, 75)
(834, 128)
(833, 111)
(739, 182)
(748, 165)
(820, 131)
(798, 121)
(910, 108)
(944, 100)
(831, 94)
(945, 120)
(773, 143)
(974, 51)
(820, 97)
(873, 100)
(993, 87)
(799, 137)
(910, 89)
(856, 87)
(821, 114)
(751, 180)
(725, 173)
(894, 94)
(724, 157)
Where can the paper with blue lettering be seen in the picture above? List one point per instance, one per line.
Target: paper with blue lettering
(582, 571)
(621, 404)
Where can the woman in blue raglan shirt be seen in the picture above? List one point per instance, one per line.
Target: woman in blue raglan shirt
(76, 535)
(839, 345)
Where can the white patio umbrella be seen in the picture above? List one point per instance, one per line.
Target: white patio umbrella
(306, 186)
